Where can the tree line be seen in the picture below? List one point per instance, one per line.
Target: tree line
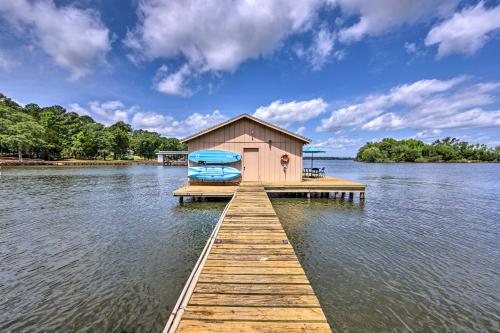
(52, 133)
(444, 150)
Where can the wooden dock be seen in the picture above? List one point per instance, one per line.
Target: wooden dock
(307, 187)
(248, 278)
(213, 191)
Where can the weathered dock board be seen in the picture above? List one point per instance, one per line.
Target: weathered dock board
(206, 191)
(307, 185)
(250, 279)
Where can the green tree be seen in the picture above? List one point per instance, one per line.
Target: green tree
(446, 149)
(145, 143)
(412, 154)
(19, 131)
(53, 133)
(120, 139)
(86, 143)
(4, 100)
(104, 143)
(171, 144)
(372, 154)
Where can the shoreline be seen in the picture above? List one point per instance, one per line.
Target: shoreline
(15, 163)
(12, 163)
(431, 162)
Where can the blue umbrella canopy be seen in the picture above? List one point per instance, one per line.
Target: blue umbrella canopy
(312, 150)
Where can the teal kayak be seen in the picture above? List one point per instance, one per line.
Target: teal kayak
(213, 172)
(214, 156)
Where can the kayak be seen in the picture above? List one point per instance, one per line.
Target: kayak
(214, 156)
(213, 172)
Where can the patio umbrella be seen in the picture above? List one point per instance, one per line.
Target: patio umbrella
(312, 150)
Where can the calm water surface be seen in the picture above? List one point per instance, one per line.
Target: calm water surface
(109, 249)
(96, 249)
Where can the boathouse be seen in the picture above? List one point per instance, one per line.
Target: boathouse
(269, 153)
(248, 278)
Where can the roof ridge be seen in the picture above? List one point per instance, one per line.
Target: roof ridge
(251, 117)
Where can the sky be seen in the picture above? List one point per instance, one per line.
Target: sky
(340, 72)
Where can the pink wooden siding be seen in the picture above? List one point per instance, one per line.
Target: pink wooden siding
(246, 133)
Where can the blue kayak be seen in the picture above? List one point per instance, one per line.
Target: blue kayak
(214, 156)
(213, 172)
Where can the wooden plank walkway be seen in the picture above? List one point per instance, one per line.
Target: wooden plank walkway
(251, 280)
(308, 185)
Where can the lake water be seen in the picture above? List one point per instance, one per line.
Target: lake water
(109, 249)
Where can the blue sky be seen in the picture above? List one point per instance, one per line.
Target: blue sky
(341, 72)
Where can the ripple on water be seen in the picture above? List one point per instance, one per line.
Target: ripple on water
(108, 249)
(95, 249)
(407, 259)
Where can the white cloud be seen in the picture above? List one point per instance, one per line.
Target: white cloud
(77, 108)
(198, 121)
(338, 143)
(107, 112)
(156, 122)
(173, 83)
(411, 48)
(473, 118)
(387, 120)
(321, 48)
(372, 106)
(75, 38)
(169, 126)
(285, 114)
(378, 16)
(112, 111)
(339, 54)
(427, 135)
(300, 130)
(6, 61)
(220, 34)
(466, 31)
(425, 104)
(148, 120)
(215, 35)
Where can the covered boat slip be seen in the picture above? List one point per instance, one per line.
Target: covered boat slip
(248, 278)
(308, 185)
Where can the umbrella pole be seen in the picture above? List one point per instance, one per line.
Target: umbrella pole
(312, 159)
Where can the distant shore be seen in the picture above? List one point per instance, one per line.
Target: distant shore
(429, 162)
(328, 158)
(73, 162)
